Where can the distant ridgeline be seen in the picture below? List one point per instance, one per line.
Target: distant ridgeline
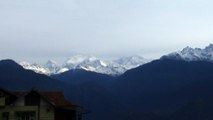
(88, 63)
(164, 89)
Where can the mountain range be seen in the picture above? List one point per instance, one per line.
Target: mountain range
(89, 89)
(115, 67)
(169, 88)
(193, 54)
(89, 63)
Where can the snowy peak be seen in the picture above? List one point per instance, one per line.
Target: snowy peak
(94, 63)
(35, 67)
(131, 62)
(209, 48)
(84, 62)
(88, 68)
(74, 61)
(193, 54)
(89, 63)
(52, 66)
(112, 67)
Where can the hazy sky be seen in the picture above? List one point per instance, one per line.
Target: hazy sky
(54, 29)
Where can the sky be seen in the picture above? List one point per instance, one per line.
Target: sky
(38, 30)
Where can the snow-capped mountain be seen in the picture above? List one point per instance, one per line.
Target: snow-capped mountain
(193, 54)
(131, 62)
(35, 67)
(53, 67)
(74, 61)
(118, 66)
(83, 61)
(89, 63)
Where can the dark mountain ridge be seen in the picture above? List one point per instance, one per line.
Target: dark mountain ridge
(89, 92)
(161, 90)
(80, 76)
(14, 76)
(165, 85)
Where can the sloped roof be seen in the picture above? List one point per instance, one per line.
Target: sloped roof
(56, 98)
(9, 99)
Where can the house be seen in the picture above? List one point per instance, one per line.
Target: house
(34, 105)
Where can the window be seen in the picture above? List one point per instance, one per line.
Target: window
(2, 101)
(5, 116)
(25, 116)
